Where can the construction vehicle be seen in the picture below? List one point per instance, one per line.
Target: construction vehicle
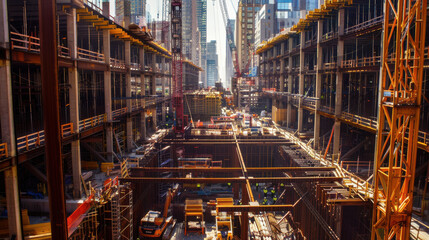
(224, 220)
(153, 225)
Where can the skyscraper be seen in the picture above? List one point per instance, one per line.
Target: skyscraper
(245, 29)
(212, 64)
(202, 27)
(138, 10)
(264, 23)
(229, 67)
(190, 30)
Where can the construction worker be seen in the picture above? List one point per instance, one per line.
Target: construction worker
(265, 201)
(274, 198)
(273, 191)
(280, 187)
(229, 185)
(265, 192)
(257, 186)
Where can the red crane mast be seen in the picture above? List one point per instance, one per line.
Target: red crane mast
(176, 47)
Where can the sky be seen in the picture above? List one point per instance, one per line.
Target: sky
(215, 25)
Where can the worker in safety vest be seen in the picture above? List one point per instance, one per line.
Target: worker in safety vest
(273, 191)
(257, 186)
(265, 201)
(275, 198)
(280, 187)
(229, 185)
(265, 192)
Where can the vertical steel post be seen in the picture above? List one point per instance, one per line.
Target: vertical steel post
(51, 117)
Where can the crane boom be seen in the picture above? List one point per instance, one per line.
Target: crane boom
(176, 47)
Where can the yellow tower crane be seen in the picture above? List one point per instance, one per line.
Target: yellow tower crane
(398, 117)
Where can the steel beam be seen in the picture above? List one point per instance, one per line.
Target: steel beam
(253, 209)
(51, 117)
(228, 142)
(143, 170)
(230, 180)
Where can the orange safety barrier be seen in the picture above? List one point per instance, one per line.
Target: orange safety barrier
(66, 129)
(30, 141)
(3, 150)
(359, 120)
(24, 42)
(117, 63)
(119, 112)
(92, 122)
(361, 62)
(90, 55)
(30, 43)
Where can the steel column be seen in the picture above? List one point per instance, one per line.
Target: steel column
(51, 117)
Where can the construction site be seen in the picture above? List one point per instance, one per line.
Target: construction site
(105, 133)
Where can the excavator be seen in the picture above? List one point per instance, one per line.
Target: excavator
(155, 225)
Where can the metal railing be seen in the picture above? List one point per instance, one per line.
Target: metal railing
(326, 109)
(32, 44)
(310, 42)
(366, 24)
(359, 120)
(419, 230)
(329, 35)
(308, 102)
(331, 65)
(117, 63)
(92, 122)
(135, 66)
(90, 55)
(30, 141)
(4, 153)
(24, 42)
(361, 62)
(67, 129)
(119, 112)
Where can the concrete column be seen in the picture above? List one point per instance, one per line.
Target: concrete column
(129, 127)
(282, 73)
(301, 83)
(339, 84)
(12, 201)
(153, 89)
(7, 129)
(108, 95)
(163, 82)
(289, 86)
(318, 84)
(142, 94)
(74, 101)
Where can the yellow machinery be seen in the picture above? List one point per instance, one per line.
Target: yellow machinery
(224, 221)
(153, 224)
(194, 216)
